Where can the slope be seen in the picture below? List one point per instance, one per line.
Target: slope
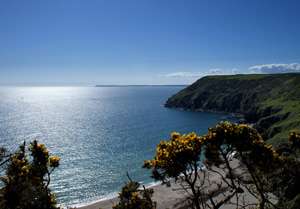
(271, 101)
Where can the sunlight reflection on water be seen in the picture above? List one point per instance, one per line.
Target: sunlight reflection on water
(99, 133)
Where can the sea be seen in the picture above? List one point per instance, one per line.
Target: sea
(99, 133)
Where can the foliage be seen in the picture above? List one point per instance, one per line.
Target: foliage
(294, 139)
(259, 158)
(180, 158)
(176, 156)
(133, 197)
(26, 184)
(246, 141)
(269, 101)
(288, 180)
(4, 156)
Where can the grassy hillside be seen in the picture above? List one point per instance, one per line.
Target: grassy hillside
(271, 101)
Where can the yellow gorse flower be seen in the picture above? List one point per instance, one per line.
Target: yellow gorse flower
(174, 156)
(294, 138)
(54, 161)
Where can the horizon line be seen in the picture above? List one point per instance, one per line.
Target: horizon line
(140, 85)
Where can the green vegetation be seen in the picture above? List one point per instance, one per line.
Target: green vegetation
(179, 156)
(180, 159)
(131, 197)
(26, 182)
(271, 101)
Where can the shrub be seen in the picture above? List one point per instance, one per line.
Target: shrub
(26, 182)
(179, 158)
(131, 197)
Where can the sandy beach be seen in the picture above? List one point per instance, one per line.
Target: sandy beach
(174, 197)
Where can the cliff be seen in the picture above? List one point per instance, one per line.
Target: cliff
(271, 101)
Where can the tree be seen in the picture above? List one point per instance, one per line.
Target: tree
(26, 184)
(259, 158)
(294, 140)
(133, 197)
(179, 158)
(288, 177)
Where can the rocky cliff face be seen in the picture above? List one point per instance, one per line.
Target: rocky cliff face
(270, 101)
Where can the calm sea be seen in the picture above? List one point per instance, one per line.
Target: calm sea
(99, 133)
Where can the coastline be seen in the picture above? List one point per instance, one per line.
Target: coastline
(107, 200)
(166, 197)
(233, 115)
(174, 197)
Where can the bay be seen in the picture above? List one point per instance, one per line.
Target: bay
(99, 133)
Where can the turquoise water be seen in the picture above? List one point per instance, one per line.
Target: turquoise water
(99, 133)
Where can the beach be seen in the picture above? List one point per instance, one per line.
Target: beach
(174, 197)
(166, 197)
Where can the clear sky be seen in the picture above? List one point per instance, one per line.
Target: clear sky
(89, 42)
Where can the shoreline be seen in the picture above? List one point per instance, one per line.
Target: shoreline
(166, 197)
(237, 115)
(109, 197)
(174, 197)
(91, 201)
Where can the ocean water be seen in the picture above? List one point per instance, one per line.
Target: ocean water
(99, 133)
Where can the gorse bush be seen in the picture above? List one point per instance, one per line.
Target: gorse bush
(288, 180)
(26, 182)
(180, 157)
(28, 175)
(131, 197)
(294, 140)
(175, 156)
(259, 158)
(4, 156)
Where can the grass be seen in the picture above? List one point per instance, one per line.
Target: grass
(247, 77)
(271, 101)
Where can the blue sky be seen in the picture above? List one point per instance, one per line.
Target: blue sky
(89, 42)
